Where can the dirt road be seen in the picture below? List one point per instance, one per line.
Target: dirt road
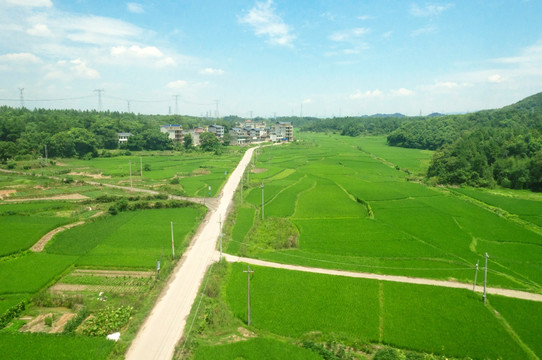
(402, 279)
(164, 327)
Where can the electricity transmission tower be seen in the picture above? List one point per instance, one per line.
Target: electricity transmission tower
(99, 91)
(176, 104)
(216, 111)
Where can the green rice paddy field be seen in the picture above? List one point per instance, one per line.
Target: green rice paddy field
(357, 204)
(422, 318)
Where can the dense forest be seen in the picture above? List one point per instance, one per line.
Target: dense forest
(485, 148)
(379, 124)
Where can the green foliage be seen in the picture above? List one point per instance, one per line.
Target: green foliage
(255, 349)
(11, 313)
(272, 234)
(209, 142)
(387, 354)
(107, 321)
(29, 346)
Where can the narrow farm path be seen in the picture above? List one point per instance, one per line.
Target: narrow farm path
(164, 327)
(40, 245)
(394, 278)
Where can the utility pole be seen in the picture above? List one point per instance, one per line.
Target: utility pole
(128, 103)
(485, 279)
(172, 242)
(99, 91)
(45, 153)
(130, 162)
(22, 97)
(248, 271)
(262, 201)
(242, 177)
(475, 275)
(141, 166)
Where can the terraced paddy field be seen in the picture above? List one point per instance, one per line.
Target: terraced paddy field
(357, 204)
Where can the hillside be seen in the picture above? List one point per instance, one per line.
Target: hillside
(485, 148)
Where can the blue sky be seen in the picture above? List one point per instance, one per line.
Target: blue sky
(316, 58)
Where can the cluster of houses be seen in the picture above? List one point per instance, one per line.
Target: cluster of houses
(244, 133)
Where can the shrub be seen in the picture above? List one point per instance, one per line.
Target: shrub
(387, 354)
(12, 313)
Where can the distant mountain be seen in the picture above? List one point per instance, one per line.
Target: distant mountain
(435, 114)
(395, 115)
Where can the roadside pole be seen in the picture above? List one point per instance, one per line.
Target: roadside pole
(172, 242)
(248, 271)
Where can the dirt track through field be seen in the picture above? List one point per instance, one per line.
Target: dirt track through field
(47, 237)
(394, 278)
(164, 326)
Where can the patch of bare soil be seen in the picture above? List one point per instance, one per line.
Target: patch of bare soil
(113, 273)
(58, 326)
(95, 288)
(6, 193)
(47, 237)
(56, 197)
(37, 324)
(258, 170)
(94, 176)
(201, 171)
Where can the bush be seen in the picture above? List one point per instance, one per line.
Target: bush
(11, 165)
(108, 321)
(387, 354)
(12, 312)
(72, 325)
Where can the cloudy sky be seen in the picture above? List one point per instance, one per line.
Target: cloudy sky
(312, 57)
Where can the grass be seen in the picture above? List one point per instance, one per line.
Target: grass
(354, 209)
(255, 349)
(32, 271)
(286, 302)
(524, 318)
(21, 232)
(130, 239)
(429, 319)
(53, 347)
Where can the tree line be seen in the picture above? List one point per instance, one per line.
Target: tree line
(487, 148)
(74, 133)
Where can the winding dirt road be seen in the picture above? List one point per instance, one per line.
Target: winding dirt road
(164, 326)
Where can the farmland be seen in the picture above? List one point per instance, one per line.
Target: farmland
(357, 204)
(107, 264)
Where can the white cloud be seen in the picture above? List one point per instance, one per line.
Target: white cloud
(20, 58)
(69, 70)
(135, 8)
(307, 101)
(365, 17)
(265, 22)
(369, 93)
(167, 61)
(30, 3)
(402, 92)
(429, 29)
(495, 78)
(211, 71)
(348, 35)
(96, 29)
(137, 51)
(428, 10)
(178, 84)
(82, 70)
(39, 30)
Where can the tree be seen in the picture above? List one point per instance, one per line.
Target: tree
(7, 150)
(188, 142)
(209, 142)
